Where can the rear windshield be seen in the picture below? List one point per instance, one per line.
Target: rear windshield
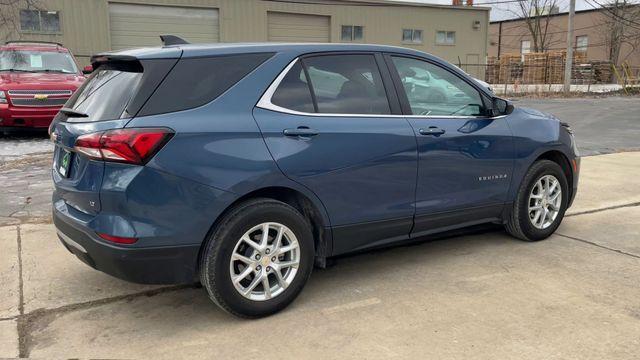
(105, 95)
(149, 87)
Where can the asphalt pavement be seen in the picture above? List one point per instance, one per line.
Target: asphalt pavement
(602, 125)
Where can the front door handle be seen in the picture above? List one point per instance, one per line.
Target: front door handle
(432, 130)
(302, 131)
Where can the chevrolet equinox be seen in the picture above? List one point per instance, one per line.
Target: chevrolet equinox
(244, 165)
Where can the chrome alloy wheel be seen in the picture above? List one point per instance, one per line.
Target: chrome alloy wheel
(544, 202)
(265, 261)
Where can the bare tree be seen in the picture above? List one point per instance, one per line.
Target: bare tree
(10, 16)
(537, 17)
(621, 22)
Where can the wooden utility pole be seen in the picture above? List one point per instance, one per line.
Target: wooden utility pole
(569, 64)
(499, 38)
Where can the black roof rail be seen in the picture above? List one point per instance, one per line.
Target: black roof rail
(168, 40)
(33, 42)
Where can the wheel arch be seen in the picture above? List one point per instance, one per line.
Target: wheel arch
(562, 160)
(313, 212)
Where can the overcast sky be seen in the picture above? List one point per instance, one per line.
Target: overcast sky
(500, 11)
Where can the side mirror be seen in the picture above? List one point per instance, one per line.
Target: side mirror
(501, 107)
(87, 69)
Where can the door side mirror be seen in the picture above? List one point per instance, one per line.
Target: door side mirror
(501, 107)
(87, 69)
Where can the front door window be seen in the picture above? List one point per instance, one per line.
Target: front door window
(432, 90)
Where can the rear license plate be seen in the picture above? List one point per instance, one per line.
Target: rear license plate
(65, 163)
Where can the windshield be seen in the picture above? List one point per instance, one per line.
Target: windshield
(37, 61)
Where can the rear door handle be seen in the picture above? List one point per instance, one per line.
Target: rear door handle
(303, 131)
(432, 130)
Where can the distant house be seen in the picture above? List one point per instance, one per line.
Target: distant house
(591, 35)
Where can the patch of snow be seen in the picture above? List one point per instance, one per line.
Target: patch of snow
(15, 148)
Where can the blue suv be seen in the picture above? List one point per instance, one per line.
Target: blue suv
(244, 165)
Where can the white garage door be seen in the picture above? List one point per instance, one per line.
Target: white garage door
(140, 25)
(288, 27)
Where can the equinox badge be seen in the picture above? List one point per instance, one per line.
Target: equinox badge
(492, 177)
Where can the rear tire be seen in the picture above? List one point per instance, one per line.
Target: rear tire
(239, 236)
(536, 213)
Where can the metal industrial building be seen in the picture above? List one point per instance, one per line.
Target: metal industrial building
(455, 33)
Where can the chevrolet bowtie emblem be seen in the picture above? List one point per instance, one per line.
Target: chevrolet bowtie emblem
(40, 96)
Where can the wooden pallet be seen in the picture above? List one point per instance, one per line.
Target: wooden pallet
(545, 68)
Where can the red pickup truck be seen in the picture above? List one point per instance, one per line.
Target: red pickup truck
(36, 79)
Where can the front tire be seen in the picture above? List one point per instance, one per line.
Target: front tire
(540, 203)
(258, 258)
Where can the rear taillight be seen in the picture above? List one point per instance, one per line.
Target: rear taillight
(131, 146)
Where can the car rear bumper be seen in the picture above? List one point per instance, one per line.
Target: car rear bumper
(148, 265)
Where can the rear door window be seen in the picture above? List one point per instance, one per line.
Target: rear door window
(293, 92)
(347, 84)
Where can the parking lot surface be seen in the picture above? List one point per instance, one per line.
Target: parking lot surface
(481, 296)
(602, 125)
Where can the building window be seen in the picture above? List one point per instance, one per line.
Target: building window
(352, 33)
(582, 43)
(446, 37)
(40, 21)
(525, 46)
(413, 36)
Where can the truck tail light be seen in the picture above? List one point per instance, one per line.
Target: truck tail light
(132, 146)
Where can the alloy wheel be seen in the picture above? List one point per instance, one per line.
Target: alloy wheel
(544, 202)
(265, 261)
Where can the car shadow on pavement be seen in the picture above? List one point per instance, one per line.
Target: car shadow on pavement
(348, 278)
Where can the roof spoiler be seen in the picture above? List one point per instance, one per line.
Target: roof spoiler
(132, 63)
(168, 40)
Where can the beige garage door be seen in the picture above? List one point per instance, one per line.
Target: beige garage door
(288, 27)
(140, 25)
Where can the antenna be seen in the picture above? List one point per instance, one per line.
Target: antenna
(168, 40)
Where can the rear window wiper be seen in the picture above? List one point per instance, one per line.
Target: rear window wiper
(73, 113)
